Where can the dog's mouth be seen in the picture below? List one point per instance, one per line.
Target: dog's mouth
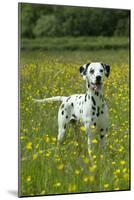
(96, 86)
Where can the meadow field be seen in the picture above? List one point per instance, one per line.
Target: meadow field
(43, 169)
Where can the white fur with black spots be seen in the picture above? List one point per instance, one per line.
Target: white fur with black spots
(90, 108)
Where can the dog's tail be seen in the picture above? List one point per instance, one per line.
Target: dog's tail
(58, 98)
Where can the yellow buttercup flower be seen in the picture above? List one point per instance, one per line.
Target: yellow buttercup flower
(88, 178)
(58, 184)
(29, 145)
(77, 172)
(86, 160)
(54, 139)
(117, 188)
(117, 171)
(82, 128)
(126, 176)
(37, 146)
(40, 151)
(124, 170)
(46, 138)
(43, 192)
(121, 149)
(94, 156)
(60, 167)
(35, 156)
(94, 141)
(106, 185)
(47, 154)
(93, 168)
(125, 136)
(92, 127)
(29, 178)
(91, 178)
(22, 137)
(122, 162)
(113, 162)
(72, 188)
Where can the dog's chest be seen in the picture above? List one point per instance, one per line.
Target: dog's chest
(89, 105)
(94, 107)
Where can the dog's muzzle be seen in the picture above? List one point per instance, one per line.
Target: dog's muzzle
(98, 84)
(98, 79)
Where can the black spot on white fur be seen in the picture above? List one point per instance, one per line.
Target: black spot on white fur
(85, 97)
(73, 115)
(68, 99)
(93, 100)
(103, 105)
(62, 106)
(83, 70)
(96, 93)
(98, 111)
(101, 136)
(93, 108)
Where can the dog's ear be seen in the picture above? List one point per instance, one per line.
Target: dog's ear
(83, 69)
(106, 69)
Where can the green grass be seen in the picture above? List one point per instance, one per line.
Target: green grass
(77, 57)
(77, 43)
(43, 169)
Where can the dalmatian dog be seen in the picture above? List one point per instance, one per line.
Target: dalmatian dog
(90, 108)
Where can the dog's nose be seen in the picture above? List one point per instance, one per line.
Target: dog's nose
(98, 78)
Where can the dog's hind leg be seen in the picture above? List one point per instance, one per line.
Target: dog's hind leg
(61, 133)
(62, 122)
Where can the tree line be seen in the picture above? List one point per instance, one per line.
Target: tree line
(50, 20)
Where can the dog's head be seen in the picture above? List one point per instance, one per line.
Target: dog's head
(94, 74)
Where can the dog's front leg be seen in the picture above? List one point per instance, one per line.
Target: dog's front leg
(89, 136)
(102, 137)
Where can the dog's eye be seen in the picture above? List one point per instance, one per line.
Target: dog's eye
(101, 70)
(92, 71)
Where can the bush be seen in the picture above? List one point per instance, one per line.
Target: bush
(43, 20)
(122, 28)
(46, 25)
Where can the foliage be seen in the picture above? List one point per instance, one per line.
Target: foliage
(46, 25)
(51, 20)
